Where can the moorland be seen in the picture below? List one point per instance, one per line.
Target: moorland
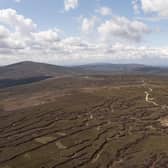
(92, 116)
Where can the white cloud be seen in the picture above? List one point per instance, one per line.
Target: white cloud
(123, 28)
(104, 11)
(159, 7)
(4, 32)
(23, 41)
(18, 1)
(14, 20)
(88, 24)
(47, 36)
(70, 4)
(136, 7)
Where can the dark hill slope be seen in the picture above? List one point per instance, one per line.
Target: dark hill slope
(24, 70)
(28, 69)
(110, 68)
(124, 69)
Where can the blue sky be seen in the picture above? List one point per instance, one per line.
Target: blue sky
(50, 13)
(67, 32)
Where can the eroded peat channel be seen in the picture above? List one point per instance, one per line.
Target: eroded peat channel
(97, 125)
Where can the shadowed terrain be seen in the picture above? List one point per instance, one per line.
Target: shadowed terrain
(4, 83)
(30, 69)
(85, 121)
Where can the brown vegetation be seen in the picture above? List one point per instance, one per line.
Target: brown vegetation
(88, 122)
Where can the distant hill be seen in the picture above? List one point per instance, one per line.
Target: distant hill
(152, 70)
(29, 72)
(111, 68)
(32, 69)
(124, 68)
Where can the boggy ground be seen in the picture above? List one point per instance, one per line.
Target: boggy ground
(86, 122)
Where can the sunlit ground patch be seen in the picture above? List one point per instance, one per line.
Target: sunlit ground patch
(27, 156)
(60, 145)
(164, 121)
(44, 140)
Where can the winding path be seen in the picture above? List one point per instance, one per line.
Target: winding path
(148, 99)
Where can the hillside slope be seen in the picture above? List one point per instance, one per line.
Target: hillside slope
(28, 69)
(32, 69)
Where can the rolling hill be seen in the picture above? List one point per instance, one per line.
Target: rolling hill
(124, 68)
(29, 72)
(111, 68)
(30, 69)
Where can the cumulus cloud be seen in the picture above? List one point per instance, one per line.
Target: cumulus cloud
(20, 34)
(136, 7)
(14, 20)
(159, 7)
(24, 41)
(88, 24)
(47, 36)
(121, 27)
(70, 4)
(3, 32)
(104, 11)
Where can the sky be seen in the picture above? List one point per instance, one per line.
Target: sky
(73, 32)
